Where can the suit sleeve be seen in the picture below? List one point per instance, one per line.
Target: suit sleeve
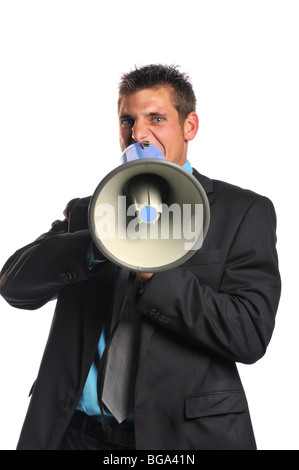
(35, 273)
(237, 321)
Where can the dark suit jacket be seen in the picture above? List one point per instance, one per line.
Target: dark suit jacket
(198, 320)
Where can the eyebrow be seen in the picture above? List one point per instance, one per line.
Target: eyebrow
(156, 113)
(151, 114)
(126, 116)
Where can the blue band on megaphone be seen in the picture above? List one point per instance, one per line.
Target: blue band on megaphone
(148, 214)
(141, 150)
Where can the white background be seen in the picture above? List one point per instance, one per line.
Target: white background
(61, 63)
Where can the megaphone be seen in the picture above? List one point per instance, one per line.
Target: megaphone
(148, 214)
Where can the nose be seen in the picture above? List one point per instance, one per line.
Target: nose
(139, 131)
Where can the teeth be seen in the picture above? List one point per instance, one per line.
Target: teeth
(145, 145)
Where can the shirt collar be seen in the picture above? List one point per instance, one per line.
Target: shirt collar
(188, 167)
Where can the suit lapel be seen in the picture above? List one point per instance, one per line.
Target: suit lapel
(147, 327)
(206, 182)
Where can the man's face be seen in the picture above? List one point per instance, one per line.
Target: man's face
(149, 115)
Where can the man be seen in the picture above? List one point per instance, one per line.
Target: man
(195, 321)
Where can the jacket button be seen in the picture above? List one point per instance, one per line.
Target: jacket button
(154, 313)
(67, 276)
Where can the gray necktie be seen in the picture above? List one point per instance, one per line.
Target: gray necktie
(123, 348)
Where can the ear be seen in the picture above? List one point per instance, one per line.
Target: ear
(191, 125)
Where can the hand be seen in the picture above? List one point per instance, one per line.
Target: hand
(144, 277)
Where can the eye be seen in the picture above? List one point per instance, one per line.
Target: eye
(158, 119)
(127, 122)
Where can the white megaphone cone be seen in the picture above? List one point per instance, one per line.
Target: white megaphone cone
(148, 214)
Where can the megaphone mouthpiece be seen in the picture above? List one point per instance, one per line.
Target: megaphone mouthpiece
(141, 150)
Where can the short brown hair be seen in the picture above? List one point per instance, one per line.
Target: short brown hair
(155, 76)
